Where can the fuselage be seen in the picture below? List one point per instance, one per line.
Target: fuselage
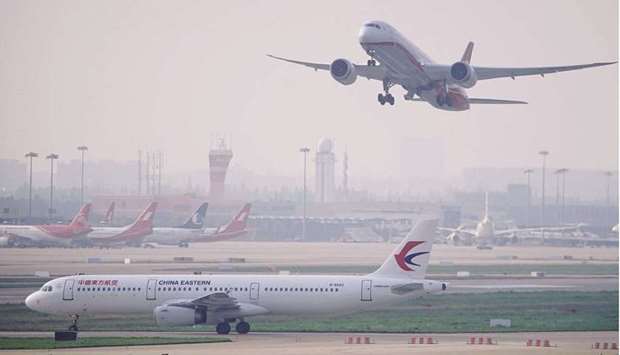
(274, 294)
(45, 234)
(405, 63)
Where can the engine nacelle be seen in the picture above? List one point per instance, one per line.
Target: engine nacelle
(179, 316)
(343, 71)
(463, 75)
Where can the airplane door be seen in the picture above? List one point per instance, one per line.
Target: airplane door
(254, 289)
(67, 292)
(366, 290)
(151, 290)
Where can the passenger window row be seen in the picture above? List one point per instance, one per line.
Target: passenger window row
(300, 289)
(113, 289)
(223, 289)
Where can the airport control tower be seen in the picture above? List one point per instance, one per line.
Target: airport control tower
(219, 158)
(325, 175)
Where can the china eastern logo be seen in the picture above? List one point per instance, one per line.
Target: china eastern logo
(405, 260)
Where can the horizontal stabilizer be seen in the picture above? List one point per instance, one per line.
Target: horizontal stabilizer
(473, 100)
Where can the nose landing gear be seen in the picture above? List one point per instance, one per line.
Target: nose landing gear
(74, 322)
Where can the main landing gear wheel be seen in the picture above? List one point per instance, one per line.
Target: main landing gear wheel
(385, 98)
(372, 63)
(222, 328)
(243, 327)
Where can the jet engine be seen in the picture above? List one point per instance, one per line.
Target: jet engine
(179, 316)
(463, 75)
(343, 71)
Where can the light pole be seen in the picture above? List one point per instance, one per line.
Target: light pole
(562, 172)
(305, 151)
(544, 154)
(528, 172)
(51, 157)
(83, 150)
(30, 155)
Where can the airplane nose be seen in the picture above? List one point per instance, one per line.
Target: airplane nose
(365, 34)
(31, 301)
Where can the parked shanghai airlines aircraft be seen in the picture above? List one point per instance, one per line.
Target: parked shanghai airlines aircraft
(397, 61)
(184, 300)
(192, 228)
(176, 236)
(48, 234)
(132, 234)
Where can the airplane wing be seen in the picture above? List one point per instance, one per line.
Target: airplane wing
(376, 72)
(484, 73)
(442, 71)
(458, 230)
(474, 100)
(215, 302)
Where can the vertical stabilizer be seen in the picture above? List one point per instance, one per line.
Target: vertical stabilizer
(197, 219)
(486, 205)
(467, 54)
(410, 259)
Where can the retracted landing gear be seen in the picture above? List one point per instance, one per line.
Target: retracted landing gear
(74, 322)
(243, 327)
(222, 328)
(387, 97)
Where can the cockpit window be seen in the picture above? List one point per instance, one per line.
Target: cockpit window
(373, 25)
(46, 289)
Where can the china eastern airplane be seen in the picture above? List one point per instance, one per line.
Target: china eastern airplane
(183, 236)
(47, 234)
(186, 300)
(397, 61)
(132, 234)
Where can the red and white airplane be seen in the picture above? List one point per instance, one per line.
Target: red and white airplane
(132, 234)
(47, 234)
(397, 61)
(183, 236)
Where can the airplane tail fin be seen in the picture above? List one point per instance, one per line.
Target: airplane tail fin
(486, 204)
(466, 58)
(144, 223)
(410, 259)
(109, 215)
(238, 223)
(196, 220)
(80, 221)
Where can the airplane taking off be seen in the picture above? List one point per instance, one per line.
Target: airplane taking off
(132, 234)
(182, 236)
(397, 61)
(186, 300)
(47, 234)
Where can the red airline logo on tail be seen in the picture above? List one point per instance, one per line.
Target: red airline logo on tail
(403, 260)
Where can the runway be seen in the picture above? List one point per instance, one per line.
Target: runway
(332, 343)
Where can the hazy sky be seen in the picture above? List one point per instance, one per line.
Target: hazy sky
(167, 75)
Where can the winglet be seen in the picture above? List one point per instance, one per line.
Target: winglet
(467, 55)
